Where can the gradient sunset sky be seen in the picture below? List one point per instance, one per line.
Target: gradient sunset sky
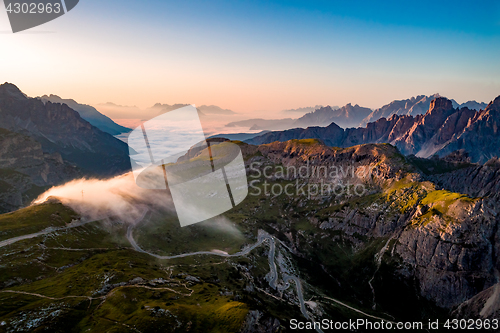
(259, 55)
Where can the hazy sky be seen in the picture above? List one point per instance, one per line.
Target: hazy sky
(259, 55)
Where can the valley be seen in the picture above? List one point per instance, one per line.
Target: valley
(270, 259)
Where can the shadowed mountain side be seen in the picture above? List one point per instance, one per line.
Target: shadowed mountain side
(60, 129)
(26, 171)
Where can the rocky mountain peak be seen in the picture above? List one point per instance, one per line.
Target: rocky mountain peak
(494, 105)
(56, 99)
(10, 90)
(442, 103)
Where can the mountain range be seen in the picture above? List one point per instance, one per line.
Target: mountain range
(306, 109)
(350, 116)
(46, 143)
(58, 128)
(441, 130)
(413, 107)
(346, 116)
(420, 243)
(90, 114)
(115, 111)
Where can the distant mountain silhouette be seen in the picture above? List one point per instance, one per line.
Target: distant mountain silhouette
(346, 116)
(203, 110)
(473, 105)
(264, 124)
(90, 114)
(214, 109)
(306, 109)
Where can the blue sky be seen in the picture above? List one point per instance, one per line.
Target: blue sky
(259, 55)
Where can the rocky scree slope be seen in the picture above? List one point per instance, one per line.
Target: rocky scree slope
(26, 171)
(411, 238)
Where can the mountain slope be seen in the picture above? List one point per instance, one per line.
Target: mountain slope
(90, 114)
(480, 136)
(406, 249)
(26, 171)
(59, 129)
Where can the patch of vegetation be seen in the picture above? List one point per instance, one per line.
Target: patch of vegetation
(10, 173)
(163, 234)
(440, 202)
(35, 218)
(157, 310)
(444, 196)
(307, 142)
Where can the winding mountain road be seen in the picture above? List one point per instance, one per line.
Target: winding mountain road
(47, 231)
(261, 238)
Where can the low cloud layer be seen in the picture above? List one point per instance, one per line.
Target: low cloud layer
(119, 197)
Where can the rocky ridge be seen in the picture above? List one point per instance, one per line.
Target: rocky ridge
(88, 113)
(436, 237)
(441, 130)
(58, 128)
